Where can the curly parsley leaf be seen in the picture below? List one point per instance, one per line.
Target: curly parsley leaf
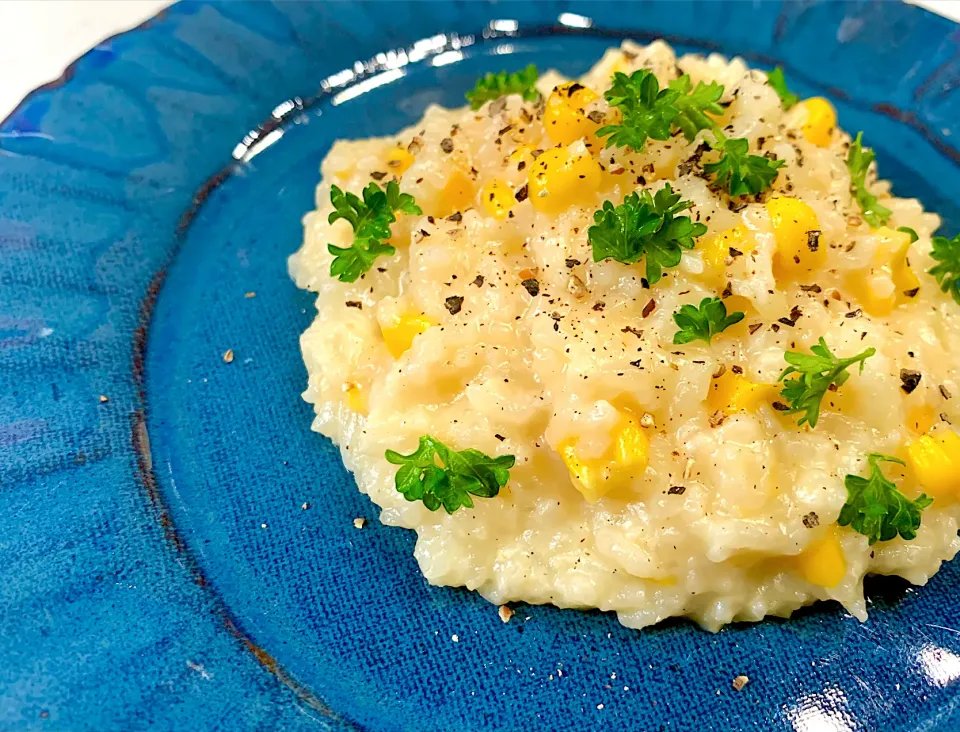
(738, 171)
(647, 111)
(703, 322)
(370, 218)
(876, 508)
(493, 86)
(644, 226)
(778, 82)
(858, 163)
(693, 104)
(947, 253)
(451, 481)
(816, 372)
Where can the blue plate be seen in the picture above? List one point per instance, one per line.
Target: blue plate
(158, 569)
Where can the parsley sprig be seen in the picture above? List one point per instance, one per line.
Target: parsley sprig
(778, 82)
(876, 508)
(858, 163)
(704, 321)
(649, 112)
(947, 271)
(644, 226)
(493, 86)
(370, 218)
(441, 476)
(815, 373)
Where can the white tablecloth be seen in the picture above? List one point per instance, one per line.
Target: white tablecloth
(38, 38)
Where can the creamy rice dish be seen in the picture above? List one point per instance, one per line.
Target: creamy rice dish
(656, 341)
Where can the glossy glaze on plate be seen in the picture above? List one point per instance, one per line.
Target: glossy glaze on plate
(158, 569)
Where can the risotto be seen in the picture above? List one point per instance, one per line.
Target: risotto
(655, 341)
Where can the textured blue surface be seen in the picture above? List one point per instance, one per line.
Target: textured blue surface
(157, 570)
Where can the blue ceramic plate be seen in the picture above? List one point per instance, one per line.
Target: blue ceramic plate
(157, 567)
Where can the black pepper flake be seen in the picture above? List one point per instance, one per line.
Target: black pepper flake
(735, 253)
(853, 313)
(377, 175)
(738, 370)
(599, 306)
(811, 288)
(424, 232)
(909, 380)
(774, 327)
(521, 165)
(754, 327)
(521, 193)
(446, 144)
(944, 392)
(811, 520)
(649, 308)
(500, 437)
(478, 282)
(596, 116)
(574, 88)
(354, 304)
(455, 217)
(453, 304)
(911, 293)
(727, 291)
(571, 263)
(532, 286)
(780, 407)
(676, 490)
(631, 329)
(430, 219)
(504, 130)
(813, 240)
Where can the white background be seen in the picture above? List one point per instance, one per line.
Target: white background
(38, 38)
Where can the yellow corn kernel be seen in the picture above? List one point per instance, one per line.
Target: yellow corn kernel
(823, 563)
(399, 334)
(398, 159)
(497, 199)
(716, 251)
(626, 458)
(564, 116)
(821, 121)
(356, 397)
(456, 195)
(921, 419)
(557, 180)
(731, 393)
(797, 251)
(935, 460)
(885, 286)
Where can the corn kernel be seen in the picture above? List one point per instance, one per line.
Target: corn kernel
(456, 195)
(731, 393)
(935, 460)
(398, 159)
(356, 398)
(558, 179)
(821, 121)
(921, 419)
(823, 563)
(798, 252)
(564, 116)
(399, 334)
(497, 199)
(890, 277)
(625, 459)
(716, 251)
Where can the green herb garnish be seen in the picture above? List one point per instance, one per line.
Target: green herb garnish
(858, 163)
(739, 172)
(644, 226)
(877, 509)
(815, 373)
(778, 82)
(452, 481)
(493, 86)
(370, 219)
(649, 112)
(947, 253)
(910, 232)
(703, 322)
